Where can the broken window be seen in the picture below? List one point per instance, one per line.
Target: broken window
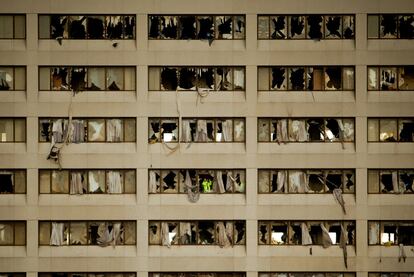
(12, 181)
(391, 233)
(12, 26)
(71, 181)
(390, 129)
(313, 26)
(325, 233)
(213, 130)
(12, 233)
(390, 78)
(205, 232)
(163, 130)
(12, 78)
(12, 130)
(102, 233)
(306, 181)
(89, 274)
(87, 78)
(390, 181)
(197, 274)
(297, 27)
(306, 78)
(87, 130)
(207, 180)
(192, 78)
(390, 26)
(203, 27)
(87, 26)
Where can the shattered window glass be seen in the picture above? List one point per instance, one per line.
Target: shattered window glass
(315, 78)
(348, 27)
(406, 26)
(388, 79)
(95, 27)
(278, 233)
(406, 130)
(297, 27)
(372, 78)
(333, 78)
(169, 27)
(278, 27)
(169, 181)
(406, 78)
(314, 26)
(77, 27)
(333, 27)
(239, 27)
(296, 78)
(205, 27)
(388, 26)
(187, 27)
(169, 130)
(224, 25)
(279, 78)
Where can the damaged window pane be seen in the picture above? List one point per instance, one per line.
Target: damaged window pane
(202, 27)
(165, 130)
(333, 27)
(406, 78)
(263, 27)
(388, 79)
(279, 233)
(87, 26)
(406, 26)
(388, 130)
(406, 130)
(391, 181)
(278, 78)
(388, 26)
(278, 27)
(333, 78)
(314, 24)
(391, 233)
(297, 27)
(348, 27)
(296, 78)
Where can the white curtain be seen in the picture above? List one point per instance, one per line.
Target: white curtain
(201, 131)
(114, 182)
(76, 186)
(113, 129)
(281, 180)
(298, 181)
(298, 130)
(186, 131)
(229, 181)
(395, 184)
(57, 235)
(373, 233)
(220, 183)
(185, 232)
(222, 238)
(227, 127)
(165, 234)
(306, 238)
(326, 239)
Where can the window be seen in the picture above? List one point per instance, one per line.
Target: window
(390, 233)
(89, 274)
(12, 233)
(12, 181)
(12, 78)
(390, 130)
(386, 78)
(102, 233)
(218, 78)
(12, 26)
(390, 181)
(201, 232)
(325, 233)
(87, 78)
(87, 130)
(307, 274)
(200, 27)
(202, 180)
(390, 26)
(90, 181)
(390, 274)
(305, 180)
(305, 130)
(306, 78)
(196, 274)
(12, 130)
(87, 26)
(313, 26)
(197, 130)
(4, 274)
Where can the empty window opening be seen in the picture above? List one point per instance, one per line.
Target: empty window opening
(388, 26)
(406, 26)
(315, 26)
(297, 26)
(205, 27)
(333, 26)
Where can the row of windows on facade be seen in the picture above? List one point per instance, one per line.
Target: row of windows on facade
(210, 274)
(211, 78)
(209, 181)
(208, 130)
(223, 233)
(210, 27)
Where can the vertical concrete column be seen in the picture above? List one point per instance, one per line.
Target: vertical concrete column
(251, 244)
(361, 31)
(32, 238)
(251, 100)
(251, 32)
(32, 190)
(142, 33)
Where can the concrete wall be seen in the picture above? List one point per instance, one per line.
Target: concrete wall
(251, 207)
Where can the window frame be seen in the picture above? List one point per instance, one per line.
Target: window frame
(378, 15)
(14, 222)
(14, 77)
(13, 171)
(14, 25)
(398, 120)
(14, 129)
(381, 222)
